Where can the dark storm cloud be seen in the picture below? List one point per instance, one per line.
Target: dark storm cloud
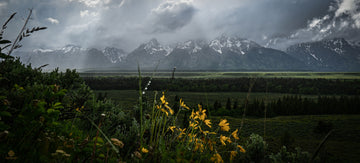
(128, 23)
(342, 21)
(172, 15)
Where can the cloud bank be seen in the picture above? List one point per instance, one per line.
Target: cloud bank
(127, 23)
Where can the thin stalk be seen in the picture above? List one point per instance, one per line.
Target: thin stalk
(158, 125)
(164, 125)
(246, 104)
(266, 98)
(95, 141)
(141, 109)
(320, 145)
(20, 33)
(153, 120)
(159, 129)
(107, 139)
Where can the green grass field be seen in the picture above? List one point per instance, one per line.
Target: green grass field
(342, 145)
(128, 98)
(211, 74)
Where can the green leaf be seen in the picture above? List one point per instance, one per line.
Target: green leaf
(5, 114)
(5, 56)
(99, 140)
(58, 105)
(5, 41)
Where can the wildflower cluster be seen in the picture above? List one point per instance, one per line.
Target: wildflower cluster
(202, 136)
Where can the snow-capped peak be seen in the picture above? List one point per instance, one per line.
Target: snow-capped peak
(192, 45)
(154, 47)
(71, 49)
(114, 55)
(234, 44)
(42, 50)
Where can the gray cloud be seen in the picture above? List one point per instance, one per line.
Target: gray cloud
(341, 20)
(172, 15)
(128, 23)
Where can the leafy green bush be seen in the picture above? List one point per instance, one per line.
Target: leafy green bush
(284, 156)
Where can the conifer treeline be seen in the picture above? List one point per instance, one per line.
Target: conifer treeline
(292, 105)
(276, 85)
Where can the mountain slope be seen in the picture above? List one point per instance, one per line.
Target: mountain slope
(328, 55)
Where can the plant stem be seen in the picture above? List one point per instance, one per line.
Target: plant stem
(21, 31)
(95, 141)
(141, 111)
(246, 104)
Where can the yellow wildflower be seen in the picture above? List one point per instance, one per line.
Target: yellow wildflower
(210, 143)
(201, 113)
(163, 110)
(79, 109)
(182, 132)
(234, 134)
(224, 125)
(192, 116)
(232, 154)
(216, 158)
(241, 149)
(144, 150)
(208, 122)
(182, 104)
(223, 139)
(193, 125)
(163, 101)
(192, 137)
(199, 145)
(172, 128)
(170, 110)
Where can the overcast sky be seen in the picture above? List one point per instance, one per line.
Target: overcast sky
(127, 23)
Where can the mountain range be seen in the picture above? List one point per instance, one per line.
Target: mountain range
(223, 53)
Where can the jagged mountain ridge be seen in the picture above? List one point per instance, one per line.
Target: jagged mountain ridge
(221, 53)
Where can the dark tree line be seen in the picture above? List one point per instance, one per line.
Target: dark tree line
(291, 105)
(276, 85)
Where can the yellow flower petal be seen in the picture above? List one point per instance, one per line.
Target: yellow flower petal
(224, 125)
(216, 158)
(232, 154)
(144, 150)
(208, 122)
(234, 134)
(241, 149)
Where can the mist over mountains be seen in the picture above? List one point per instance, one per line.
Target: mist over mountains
(221, 54)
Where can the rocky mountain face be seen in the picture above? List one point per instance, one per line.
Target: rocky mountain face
(147, 55)
(328, 55)
(222, 53)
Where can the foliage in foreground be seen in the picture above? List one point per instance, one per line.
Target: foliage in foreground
(54, 117)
